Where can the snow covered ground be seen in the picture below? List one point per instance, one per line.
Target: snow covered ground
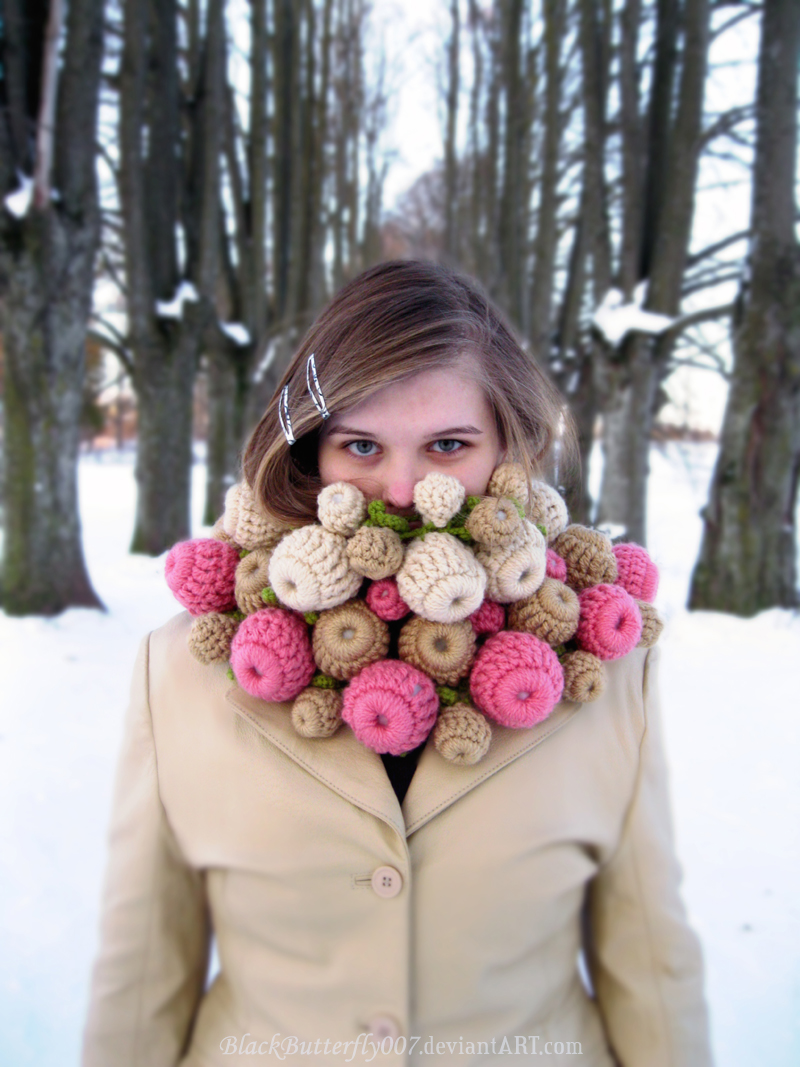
(733, 736)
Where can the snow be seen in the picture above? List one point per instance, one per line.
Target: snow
(173, 309)
(614, 318)
(731, 728)
(18, 202)
(237, 332)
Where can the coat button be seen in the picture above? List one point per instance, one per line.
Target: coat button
(386, 881)
(383, 1025)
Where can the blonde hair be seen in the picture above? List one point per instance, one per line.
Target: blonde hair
(391, 322)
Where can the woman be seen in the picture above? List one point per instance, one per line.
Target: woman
(358, 917)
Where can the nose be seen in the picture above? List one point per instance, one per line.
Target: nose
(398, 485)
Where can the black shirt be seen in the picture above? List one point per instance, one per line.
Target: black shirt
(401, 769)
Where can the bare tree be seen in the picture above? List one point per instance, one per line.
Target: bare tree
(747, 559)
(47, 252)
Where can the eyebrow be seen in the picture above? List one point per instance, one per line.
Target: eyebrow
(451, 431)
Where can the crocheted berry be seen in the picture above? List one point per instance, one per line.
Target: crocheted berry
(651, 624)
(584, 677)
(444, 650)
(636, 572)
(201, 573)
(462, 735)
(516, 570)
(610, 624)
(551, 613)
(384, 599)
(309, 570)
(252, 576)
(210, 637)
(509, 480)
(271, 655)
(490, 618)
(589, 557)
(438, 497)
(317, 712)
(556, 566)
(390, 706)
(546, 507)
(517, 679)
(375, 552)
(348, 638)
(341, 508)
(441, 579)
(495, 521)
(246, 523)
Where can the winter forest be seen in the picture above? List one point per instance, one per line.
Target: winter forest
(184, 184)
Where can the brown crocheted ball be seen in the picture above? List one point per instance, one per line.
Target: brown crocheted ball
(375, 552)
(462, 735)
(652, 624)
(551, 614)
(317, 712)
(252, 575)
(341, 508)
(218, 531)
(584, 677)
(443, 650)
(588, 555)
(546, 507)
(246, 523)
(494, 521)
(210, 637)
(347, 638)
(509, 480)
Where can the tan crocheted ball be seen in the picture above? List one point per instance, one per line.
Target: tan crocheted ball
(438, 497)
(441, 579)
(218, 531)
(309, 570)
(341, 508)
(443, 650)
(317, 712)
(548, 508)
(347, 638)
(210, 637)
(462, 735)
(252, 576)
(375, 552)
(495, 521)
(584, 677)
(509, 480)
(245, 522)
(652, 624)
(551, 614)
(514, 571)
(588, 555)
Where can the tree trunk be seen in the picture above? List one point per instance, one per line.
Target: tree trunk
(450, 156)
(47, 272)
(227, 392)
(747, 557)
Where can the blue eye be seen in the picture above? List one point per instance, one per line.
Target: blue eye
(448, 445)
(361, 448)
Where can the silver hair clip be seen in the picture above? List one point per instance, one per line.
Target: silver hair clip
(317, 397)
(284, 416)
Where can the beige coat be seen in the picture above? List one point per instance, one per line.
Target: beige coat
(224, 818)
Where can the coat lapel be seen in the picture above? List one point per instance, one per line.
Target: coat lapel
(357, 774)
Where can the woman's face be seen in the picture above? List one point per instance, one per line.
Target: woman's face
(439, 420)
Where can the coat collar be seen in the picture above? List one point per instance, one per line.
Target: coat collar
(357, 774)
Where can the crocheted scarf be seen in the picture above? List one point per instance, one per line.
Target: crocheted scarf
(486, 609)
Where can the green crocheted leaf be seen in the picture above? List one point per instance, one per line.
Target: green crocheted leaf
(325, 681)
(230, 674)
(542, 529)
(237, 615)
(269, 597)
(447, 696)
(244, 552)
(311, 617)
(378, 516)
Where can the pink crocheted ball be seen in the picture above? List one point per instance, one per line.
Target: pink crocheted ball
(271, 654)
(390, 706)
(201, 575)
(384, 599)
(490, 618)
(636, 572)
(556, 566)
(517, 679)
(610, 624)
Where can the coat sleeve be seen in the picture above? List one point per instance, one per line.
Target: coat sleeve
(150, 971)
(645, 960)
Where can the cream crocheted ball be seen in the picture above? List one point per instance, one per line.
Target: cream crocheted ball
(244, 521)
(438, 497)
(547, 507)
(309, 570)
(515, 571)
(341, 508)
(440, 579)
(509, 480)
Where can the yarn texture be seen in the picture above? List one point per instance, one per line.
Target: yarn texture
(271, 655)
(462, 735)
(652, 624)
(348, 638)
(636, 572)
(383, 597)
(545, 506)
(509, 480)
(438, 497)
(444, 650)
(610, 624)
(310, 571)
(556, 566)
(245, 522)
(211, 636)
(375, 552)
(440, 579)
(516, 570)
(200, 574)
(517, 679)
(341, 508)
(588, 555)
(490, 618)
(252, 577)
(584, 677)
(390, 706)
(551, 614)
(317, 712)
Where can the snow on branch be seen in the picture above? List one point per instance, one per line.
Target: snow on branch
(615, 319)
(173, 309)
(20, 200)
(237, 332)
